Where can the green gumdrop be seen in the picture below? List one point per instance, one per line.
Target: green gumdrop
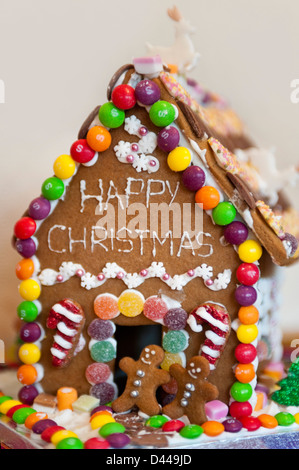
(111, 116)
(175, 341)
(103, 351)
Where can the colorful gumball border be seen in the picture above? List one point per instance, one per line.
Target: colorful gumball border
(85, 152)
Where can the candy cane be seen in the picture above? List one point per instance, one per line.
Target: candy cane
(216, 316)
(67, 317)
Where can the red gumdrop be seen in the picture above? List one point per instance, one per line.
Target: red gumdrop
(240, 409)
(155, 308)
(245, 353)
(97, 372)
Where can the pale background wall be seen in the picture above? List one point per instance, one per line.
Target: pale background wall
(57, 57)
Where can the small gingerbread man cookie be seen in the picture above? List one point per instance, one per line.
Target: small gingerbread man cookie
(144, 378)
(193, 390)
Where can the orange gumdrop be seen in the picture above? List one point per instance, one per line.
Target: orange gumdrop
(248, 315)
(245, 373)
(106, 306)
(208, 197)
(98, 138)
(27, 374)
(24, 269)
(34, 418)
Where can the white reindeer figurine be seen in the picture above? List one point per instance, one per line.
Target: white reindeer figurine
(182, 52)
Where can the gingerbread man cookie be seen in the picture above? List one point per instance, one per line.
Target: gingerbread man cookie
(193, 390)
(144, 378)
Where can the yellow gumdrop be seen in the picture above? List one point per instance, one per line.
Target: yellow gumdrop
(29, 353)
(169, 359)
(29, 289)
(100, 420)
(64, 167)
(250, 251)
(247, 333)
(6, 405)
(179, 159)
(130, 303)
(62, 434)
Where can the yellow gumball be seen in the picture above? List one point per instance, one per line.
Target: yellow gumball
(64, 167)
(100, 420)
(29, 353)
(247, 333)
(6, 405)
(29, 289)
(130, 303)
(179, 159)
(62, 434)
(250, 251)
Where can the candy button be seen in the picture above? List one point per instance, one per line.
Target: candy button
(39, 208)
(111, 116)
(240, 409)
(100, 413)
(30, 332)
(156, 421)
(236, 233)
(62, 434)
(98, 138)
(162, 113)
(25, 269)
(245, 295)
(103, 351)
(174, 425)
(241, 392)
(100, 420)
(250, 423)
(106, 306)
(245, 353)
(111, 428)
(66, 397)
(101, 408)
(232, 425)
(81, 151)
(70, 443)
(147, 92)
(245, 373)
(155, 308)
(49, 431)
(7, 404)
(27, 394)
(212, 428)
(168, 139)
(25, 228)
(175, 341)
(208, 197)
(248, 274)
(248, 315)
(26, 248)
(27, 311)
(97, 373)
(170, 359)
(224, 213)
(247, 333)
(96, 443)
(34, 418)
(4, 398)
(267, 421)
(179, 159)
(22, 414)
(250, 251)
(40, 426)
(123, 96)
(53, 188)
(193, 178)
(105, 392)
(296, 416)
(29, 353)
(64, 167)
(130, 303)
(29, 289)
(118, 440)
(284, 418)
(12, 410)
(191, 431)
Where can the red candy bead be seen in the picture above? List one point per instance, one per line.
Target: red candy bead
(81, 151)
(248, 274)
(25, 228)
(48, 432)
(96, 443)
(123, 97)
(245, 353)
(173, 425)
(250, 423)
(15, 408)
(240, 409)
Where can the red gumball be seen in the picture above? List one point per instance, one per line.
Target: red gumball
(248, 274)
(240, 409)
(123, 97)
(25, 228)
(81, 151)
(245, 353)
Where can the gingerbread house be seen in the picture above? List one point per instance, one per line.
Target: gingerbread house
(164, 224)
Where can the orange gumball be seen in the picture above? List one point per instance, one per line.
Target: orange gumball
(98, 138)
(24, 269)
(27, 374)
(248, 315)
(208, 197)
(245, 373)
(34, 418)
